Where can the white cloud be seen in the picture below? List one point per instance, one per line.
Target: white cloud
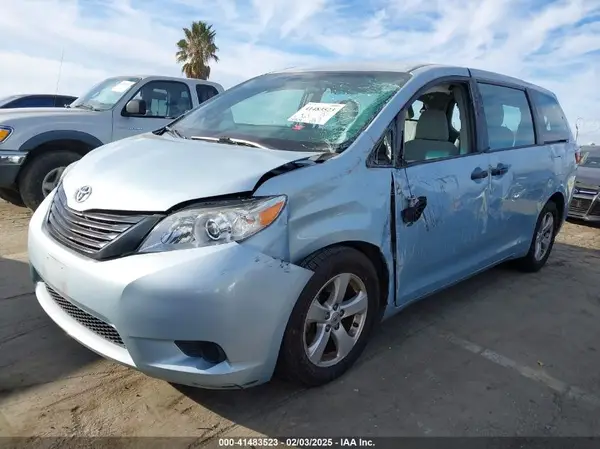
(555, 44)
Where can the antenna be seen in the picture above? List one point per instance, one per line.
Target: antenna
(62, 56)
(577, 126)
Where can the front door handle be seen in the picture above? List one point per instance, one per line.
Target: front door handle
(479, 173)
(499, 170)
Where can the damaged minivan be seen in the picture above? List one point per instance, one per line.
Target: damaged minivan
(273, 228)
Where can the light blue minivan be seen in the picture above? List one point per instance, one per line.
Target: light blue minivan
(274, 227)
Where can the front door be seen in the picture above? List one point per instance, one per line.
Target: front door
(165, 101)
(443, 166)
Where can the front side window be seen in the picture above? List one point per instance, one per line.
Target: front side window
(554, 124)
(105, 95)
(437, 124)
(165, 99)
(508, 117)
(307, 111)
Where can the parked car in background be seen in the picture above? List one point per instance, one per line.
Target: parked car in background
(278, 223)
(37, 144)
(585, 204)
(36, 101)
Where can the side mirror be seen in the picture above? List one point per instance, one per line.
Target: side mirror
(136, 107)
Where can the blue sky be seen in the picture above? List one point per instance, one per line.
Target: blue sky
(553, 43)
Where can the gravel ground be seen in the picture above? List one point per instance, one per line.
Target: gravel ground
(501, 354)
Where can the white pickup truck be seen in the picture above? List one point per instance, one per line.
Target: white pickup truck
(37, 144)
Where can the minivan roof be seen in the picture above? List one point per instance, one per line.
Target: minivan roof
(413, 68)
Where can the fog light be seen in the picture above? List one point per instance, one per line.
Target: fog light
(209, 351)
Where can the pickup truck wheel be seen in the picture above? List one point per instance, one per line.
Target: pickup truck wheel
(41, 175)
(11, 196)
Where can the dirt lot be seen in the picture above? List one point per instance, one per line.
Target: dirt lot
(502, 354)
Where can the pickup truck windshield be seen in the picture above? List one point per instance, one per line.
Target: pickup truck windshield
(105, 95)
(304, 111)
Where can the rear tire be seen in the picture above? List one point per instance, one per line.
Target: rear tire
(41, 173)
(11, 196)
(343, 322)
(543, 237)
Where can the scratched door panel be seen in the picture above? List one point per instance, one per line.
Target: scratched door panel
(448, 242)
(518, 195)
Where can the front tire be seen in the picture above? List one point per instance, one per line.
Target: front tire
(40, 176)
(333, 318)
(542, 242)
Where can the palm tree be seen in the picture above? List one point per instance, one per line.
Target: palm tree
(197, 50)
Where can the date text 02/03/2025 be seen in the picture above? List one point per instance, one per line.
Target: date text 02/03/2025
(296, 442)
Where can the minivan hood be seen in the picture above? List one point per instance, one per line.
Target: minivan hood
(153, 173)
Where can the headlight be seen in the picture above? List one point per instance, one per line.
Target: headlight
(5, 132)
(213, 224)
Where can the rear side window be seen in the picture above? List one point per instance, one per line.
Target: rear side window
(508, 117)
(554, 124)
(205, 92)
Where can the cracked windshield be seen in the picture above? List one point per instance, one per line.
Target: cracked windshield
(312, 111)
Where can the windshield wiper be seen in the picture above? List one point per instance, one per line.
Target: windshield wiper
(230, 141)
(173, 132)
(86, 106)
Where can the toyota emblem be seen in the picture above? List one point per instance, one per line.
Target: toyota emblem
(83, 193)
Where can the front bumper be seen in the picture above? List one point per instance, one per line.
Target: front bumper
(585, 207)
(228, 294)
(10, 164)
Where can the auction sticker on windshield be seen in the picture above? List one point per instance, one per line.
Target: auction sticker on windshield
(122, 86)
(316, 113)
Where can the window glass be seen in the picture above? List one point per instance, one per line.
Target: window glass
(508, 117)
(436, 133)
(455, 120)
(33, 102)
(205, 92)
(591, 160)
(268, 108)
(165, 99)
(555, 125)
(64, 101)
(305, 111)
(105, 95)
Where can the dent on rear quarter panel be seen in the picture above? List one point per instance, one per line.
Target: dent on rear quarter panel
(340, 200)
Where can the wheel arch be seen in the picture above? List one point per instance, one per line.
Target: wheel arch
(558, 198)
(76, 141)
(377, 258)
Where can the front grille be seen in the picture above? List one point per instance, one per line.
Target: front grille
(595, 210)
(92, 323)
(85, 232)
(580, 205)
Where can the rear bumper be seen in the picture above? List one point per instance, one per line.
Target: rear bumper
(10, 164)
